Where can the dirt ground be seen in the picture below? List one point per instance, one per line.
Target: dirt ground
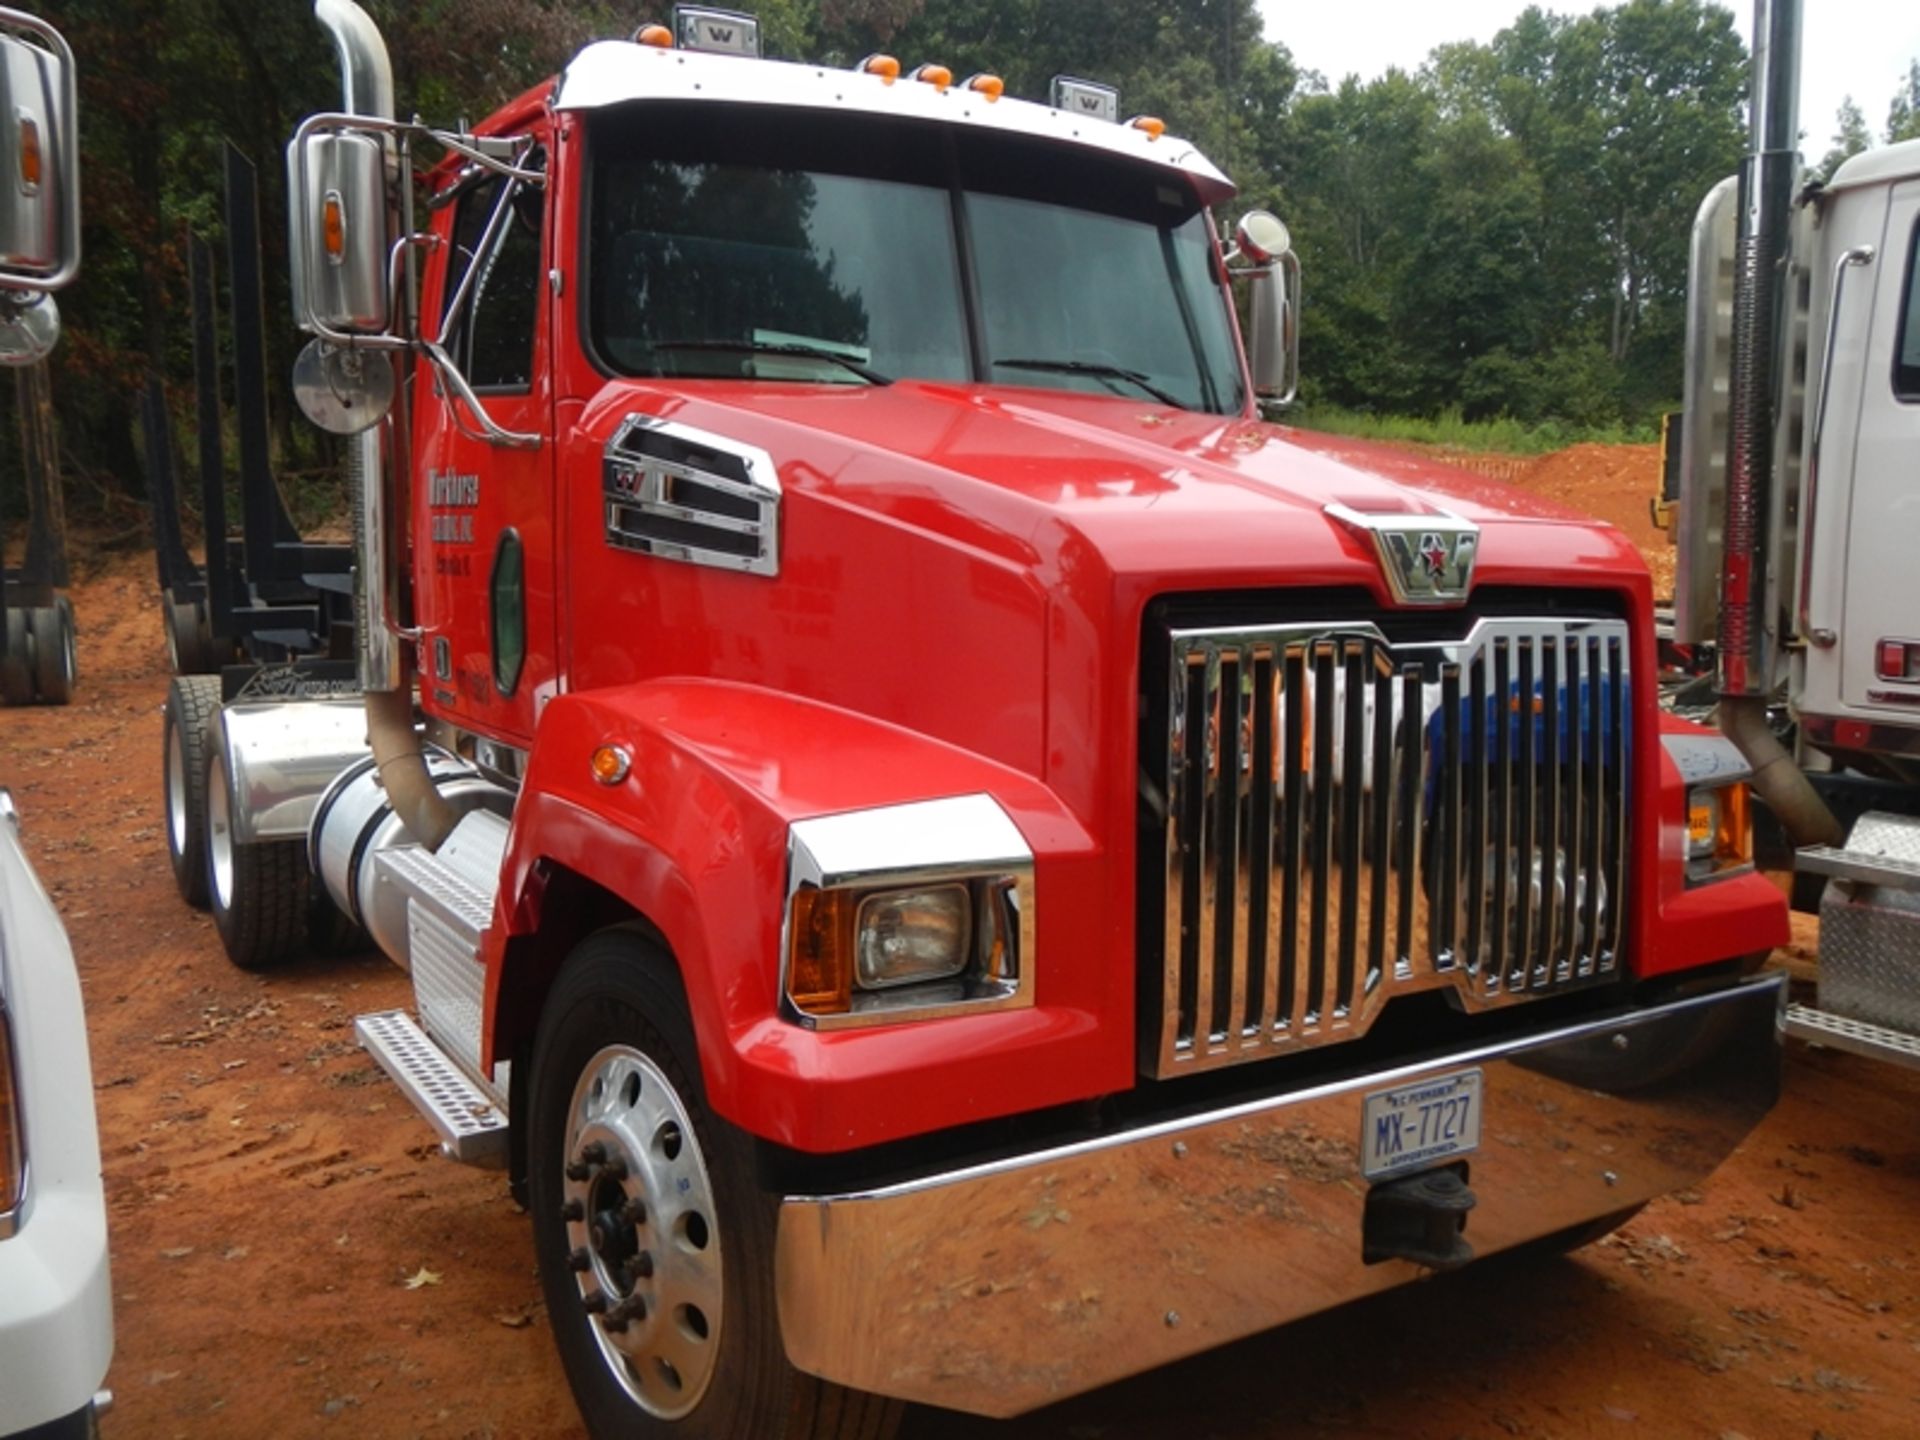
(293, 1258)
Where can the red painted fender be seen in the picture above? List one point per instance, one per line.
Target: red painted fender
(695, 839)
(1699, 924)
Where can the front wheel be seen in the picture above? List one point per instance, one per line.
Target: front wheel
(655, 1243)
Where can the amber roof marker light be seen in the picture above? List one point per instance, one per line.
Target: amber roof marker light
(885, 66)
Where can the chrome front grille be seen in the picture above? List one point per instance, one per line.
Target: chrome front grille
(1347, 819)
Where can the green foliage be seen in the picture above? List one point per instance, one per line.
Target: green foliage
(1850, 137)
(1450, 429)
(1903, 115)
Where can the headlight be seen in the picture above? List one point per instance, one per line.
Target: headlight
(902, 937)
(907, 912)
(1719, 831)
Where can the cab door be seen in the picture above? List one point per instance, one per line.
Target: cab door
(482, 505)
(1882, 557)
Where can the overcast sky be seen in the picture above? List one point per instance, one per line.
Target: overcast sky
(1857, 47)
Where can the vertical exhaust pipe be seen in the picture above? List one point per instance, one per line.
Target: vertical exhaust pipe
(385, 672)
(1767, 179)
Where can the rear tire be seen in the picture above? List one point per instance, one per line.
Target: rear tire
(16, 662)
(186, 737)
(672, 1228)
(189, 636)
(259, 894)
(54, 667)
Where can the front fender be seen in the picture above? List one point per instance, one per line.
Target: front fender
(694, 838)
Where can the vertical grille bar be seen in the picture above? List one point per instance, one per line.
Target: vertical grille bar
(1380, 846)
(1320, 858)
(1347, 819)
(1256, 1014)
(1551, 867)
(1615, 863)
(1501, 854)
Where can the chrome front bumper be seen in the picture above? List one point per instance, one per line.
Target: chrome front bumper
(1004, 1287)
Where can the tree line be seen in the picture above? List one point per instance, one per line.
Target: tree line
(1502, 232)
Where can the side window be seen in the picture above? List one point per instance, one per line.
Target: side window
(490, 333)
(1906, 353)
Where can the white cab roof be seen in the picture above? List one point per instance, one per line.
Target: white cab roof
(1882, 166)
(614, 72)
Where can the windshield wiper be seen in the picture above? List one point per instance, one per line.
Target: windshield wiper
(768, 347)
(1096, 369)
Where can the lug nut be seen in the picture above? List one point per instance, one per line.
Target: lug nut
(573, 1210)
(641, 1266)
(594, 1153)
(617, 1168)
(579, 1260)
(578, 1170)
(595, 1302)
(633, 1212)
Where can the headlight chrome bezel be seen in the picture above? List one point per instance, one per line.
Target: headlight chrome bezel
(842, 868)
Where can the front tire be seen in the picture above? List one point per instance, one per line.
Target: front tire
(655, 1243)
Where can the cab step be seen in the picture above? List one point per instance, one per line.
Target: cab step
(472, 1128)
(1837, 1032)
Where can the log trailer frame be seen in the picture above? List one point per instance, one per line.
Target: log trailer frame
(950, 860)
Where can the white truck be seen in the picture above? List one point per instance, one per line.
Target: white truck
(1798, 526)
(56, 1305)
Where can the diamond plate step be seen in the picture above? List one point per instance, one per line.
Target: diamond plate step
(472, 1128)
(1859, 867)
(1876, 1042)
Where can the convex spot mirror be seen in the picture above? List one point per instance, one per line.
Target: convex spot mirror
(1262, 237)
(1271, 273)
(340, 242)
(29, 329)
(39, 157)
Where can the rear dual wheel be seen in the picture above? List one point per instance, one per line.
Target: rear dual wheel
(261, 893)
(186, 739)
(39, 665)
(655, 1242)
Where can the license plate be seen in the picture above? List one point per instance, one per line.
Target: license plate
(1421, 1124)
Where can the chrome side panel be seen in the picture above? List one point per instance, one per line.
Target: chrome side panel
(1701, 533)
(282, 755)
(1008, 1286)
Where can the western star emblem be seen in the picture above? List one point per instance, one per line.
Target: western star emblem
(1426, 558)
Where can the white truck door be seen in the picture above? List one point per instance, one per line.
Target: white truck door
(1882, 557)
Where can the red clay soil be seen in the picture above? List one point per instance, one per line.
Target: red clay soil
(1614, 483)
(293, 1258)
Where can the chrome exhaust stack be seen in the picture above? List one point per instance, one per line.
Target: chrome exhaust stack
(384, 669)
(1768, 176)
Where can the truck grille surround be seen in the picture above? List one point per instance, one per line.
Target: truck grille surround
(1333, 818)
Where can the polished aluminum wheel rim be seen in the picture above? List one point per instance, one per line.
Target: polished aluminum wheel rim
(643, 1237)
(176, 790)
(219, 837)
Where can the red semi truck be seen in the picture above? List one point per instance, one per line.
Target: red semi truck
(952, 861)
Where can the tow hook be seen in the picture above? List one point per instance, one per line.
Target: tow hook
(1420, 1218)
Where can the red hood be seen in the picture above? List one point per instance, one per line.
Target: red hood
(1188, 499)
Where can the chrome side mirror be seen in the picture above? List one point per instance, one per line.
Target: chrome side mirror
(341, 242)
(29, 329)
(1273, 280)
(39, 157)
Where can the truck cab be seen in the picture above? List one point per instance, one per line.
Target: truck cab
(915, 784)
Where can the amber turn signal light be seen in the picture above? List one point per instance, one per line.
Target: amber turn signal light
(820, 952)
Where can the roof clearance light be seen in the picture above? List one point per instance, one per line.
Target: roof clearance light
(1086, 99)
(1153, 126)
(938, 76)
(885, 66)
(991, 86)
(718, 32)
(658, 36)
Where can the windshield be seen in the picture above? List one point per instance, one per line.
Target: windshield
(758, 243)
